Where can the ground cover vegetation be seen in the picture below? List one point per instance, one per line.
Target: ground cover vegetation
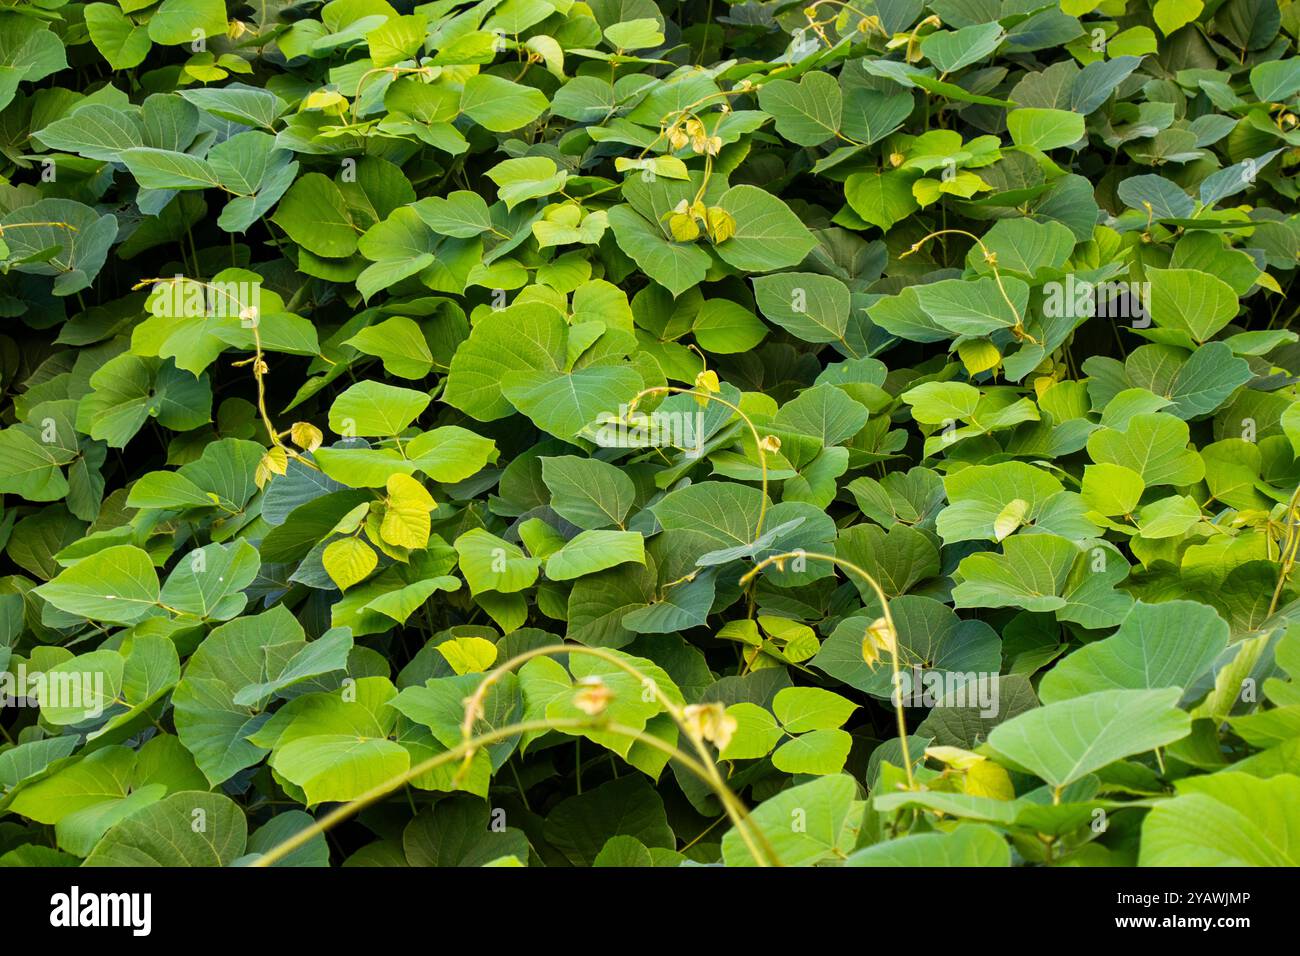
(620, 433)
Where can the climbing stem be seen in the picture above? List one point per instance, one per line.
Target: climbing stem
(991, 258)
(758, 440)
(752, 836)
(1290, 546)
(246, 312)
(384, 788)
(896, 696)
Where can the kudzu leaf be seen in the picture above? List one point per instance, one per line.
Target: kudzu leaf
(1157, 645)
(118, 585)
(376, 409)
(593, 551)
(808, 112)
(1064, 741)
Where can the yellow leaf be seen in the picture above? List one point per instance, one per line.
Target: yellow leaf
(706, 383)
(979, 355)
(374, 535)
(722, 225)
(1010, 518)
(468, 655)
(954, 757)
(330, 101)
(1266, 281)
(683, 227)
(880, 636)
(565, 214)
(987, 779)
(306, 436)
(347, 561)
(406, 522)
(274, 462)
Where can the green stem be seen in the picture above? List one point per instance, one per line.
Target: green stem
(889, 623)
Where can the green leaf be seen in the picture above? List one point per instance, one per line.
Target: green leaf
(239, 103)
(811, 307)
(519, 358)
(450, 453)
(1276, 80)
(1044, 129)
(1164, 198)
(593, 551)
(461, 214)
(635, 34)
(980, 495)
(400, 246)
(676, 266)
(376, 409)
(819, 752)
(1171, 15)
(579, 826)
(724, 327)
(81, 688)
(499, 104)
(1031, 573)
(1190, 301)
(967, 846)
(184, 21)
(1157, 645)
(710, 515)
(808, 112)
(1224, 819)
(190, 828)
(1112, 489)
(768, 234)
(950, 50)
(1153, 446)
(315, 215)
(528, 177)
(491, 564)
(399, 344)
(460, 832)
(327, 653)
(208, 581)
(565, 402)
(939, 403)
(336, 767)
(168, 169)
(931, 638)
(588, 492)
(95, 131)
(756, 733)
(118, 585)
(881, 199)
(823, 810)
(348, 561)
(974, 308)
(31, 468)
(1067, 740)
(810, 708)
(123, 43)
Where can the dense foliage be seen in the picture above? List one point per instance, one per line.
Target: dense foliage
(624, 433)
